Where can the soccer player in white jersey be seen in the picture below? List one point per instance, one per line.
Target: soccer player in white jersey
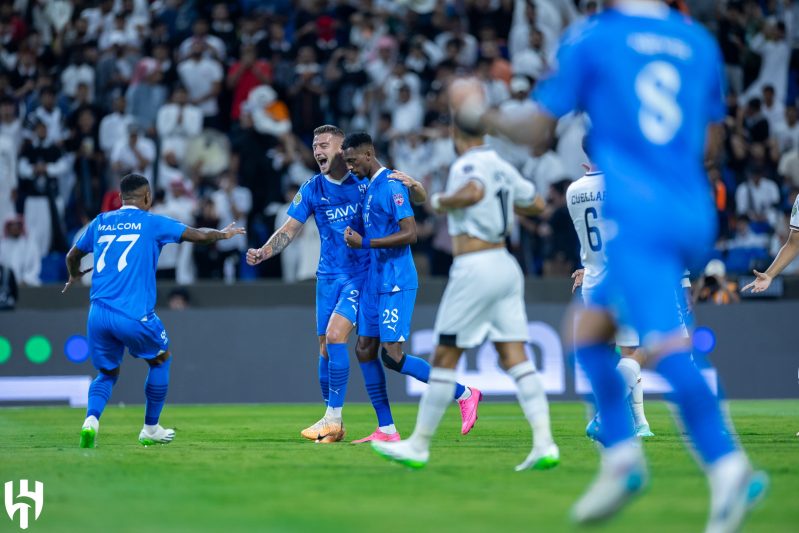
(788, 252)
(584, 199)
(484, 298)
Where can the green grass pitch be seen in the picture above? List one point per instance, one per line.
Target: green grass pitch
(245, 468)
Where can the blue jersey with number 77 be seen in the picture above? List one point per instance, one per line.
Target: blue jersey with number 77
(651, 81)
(126, 244)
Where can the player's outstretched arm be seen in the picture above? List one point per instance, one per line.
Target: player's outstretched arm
(276, 243)
(471, 114)
(787, 253)
(405, 236)
(468, 195)
(535, 208)
(211, 235)
(415, 188)
(73, 267)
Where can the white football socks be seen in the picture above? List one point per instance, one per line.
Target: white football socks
(432, 406)
(333, 413)
(91, 422)
(630, 370)
(723, 475)
(389, 429)
(533, 400)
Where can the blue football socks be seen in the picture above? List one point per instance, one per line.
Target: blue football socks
(599, 363)
(699, 408)
(155, 389)
(99, 393)
(339, 373)
(375, 379)
(418, 368)
(324, 377)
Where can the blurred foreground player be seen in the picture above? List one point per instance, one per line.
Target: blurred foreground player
(650, 81)
(484, 298)
(389, 294)
(126, 244)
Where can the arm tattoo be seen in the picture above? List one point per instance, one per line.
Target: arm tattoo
(278, 242)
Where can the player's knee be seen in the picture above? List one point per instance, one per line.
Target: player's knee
(392, 362)
(366, 349)
(335, 335)
(112, 373)
(159, 359)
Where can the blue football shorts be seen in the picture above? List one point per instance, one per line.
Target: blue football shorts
(339, 295)
(386, 316)
(110, 332)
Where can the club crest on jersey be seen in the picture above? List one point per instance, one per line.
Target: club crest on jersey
(297, 198)
(399, 199)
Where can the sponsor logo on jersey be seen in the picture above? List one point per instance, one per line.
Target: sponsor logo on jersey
(120, 226)
(297, 198)
(338, 213)
(399, 199)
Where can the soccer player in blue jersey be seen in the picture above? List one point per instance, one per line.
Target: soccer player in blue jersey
(126, 244)
(390, 293)
(333, 197)
(650, 81)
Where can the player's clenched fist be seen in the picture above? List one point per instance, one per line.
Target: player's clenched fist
(353, 238)
(255, 256)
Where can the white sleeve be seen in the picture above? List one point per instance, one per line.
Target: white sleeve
(523, 190)
(794, 222)
(460, 174)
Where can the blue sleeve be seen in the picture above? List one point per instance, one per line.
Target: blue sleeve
(561, 90)
(168, 230)
(399, 203)
(86, 241)
(301, 207)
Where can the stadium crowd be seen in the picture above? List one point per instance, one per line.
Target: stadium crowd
(216, 102)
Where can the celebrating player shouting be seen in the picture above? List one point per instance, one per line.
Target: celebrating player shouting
(334, 198)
